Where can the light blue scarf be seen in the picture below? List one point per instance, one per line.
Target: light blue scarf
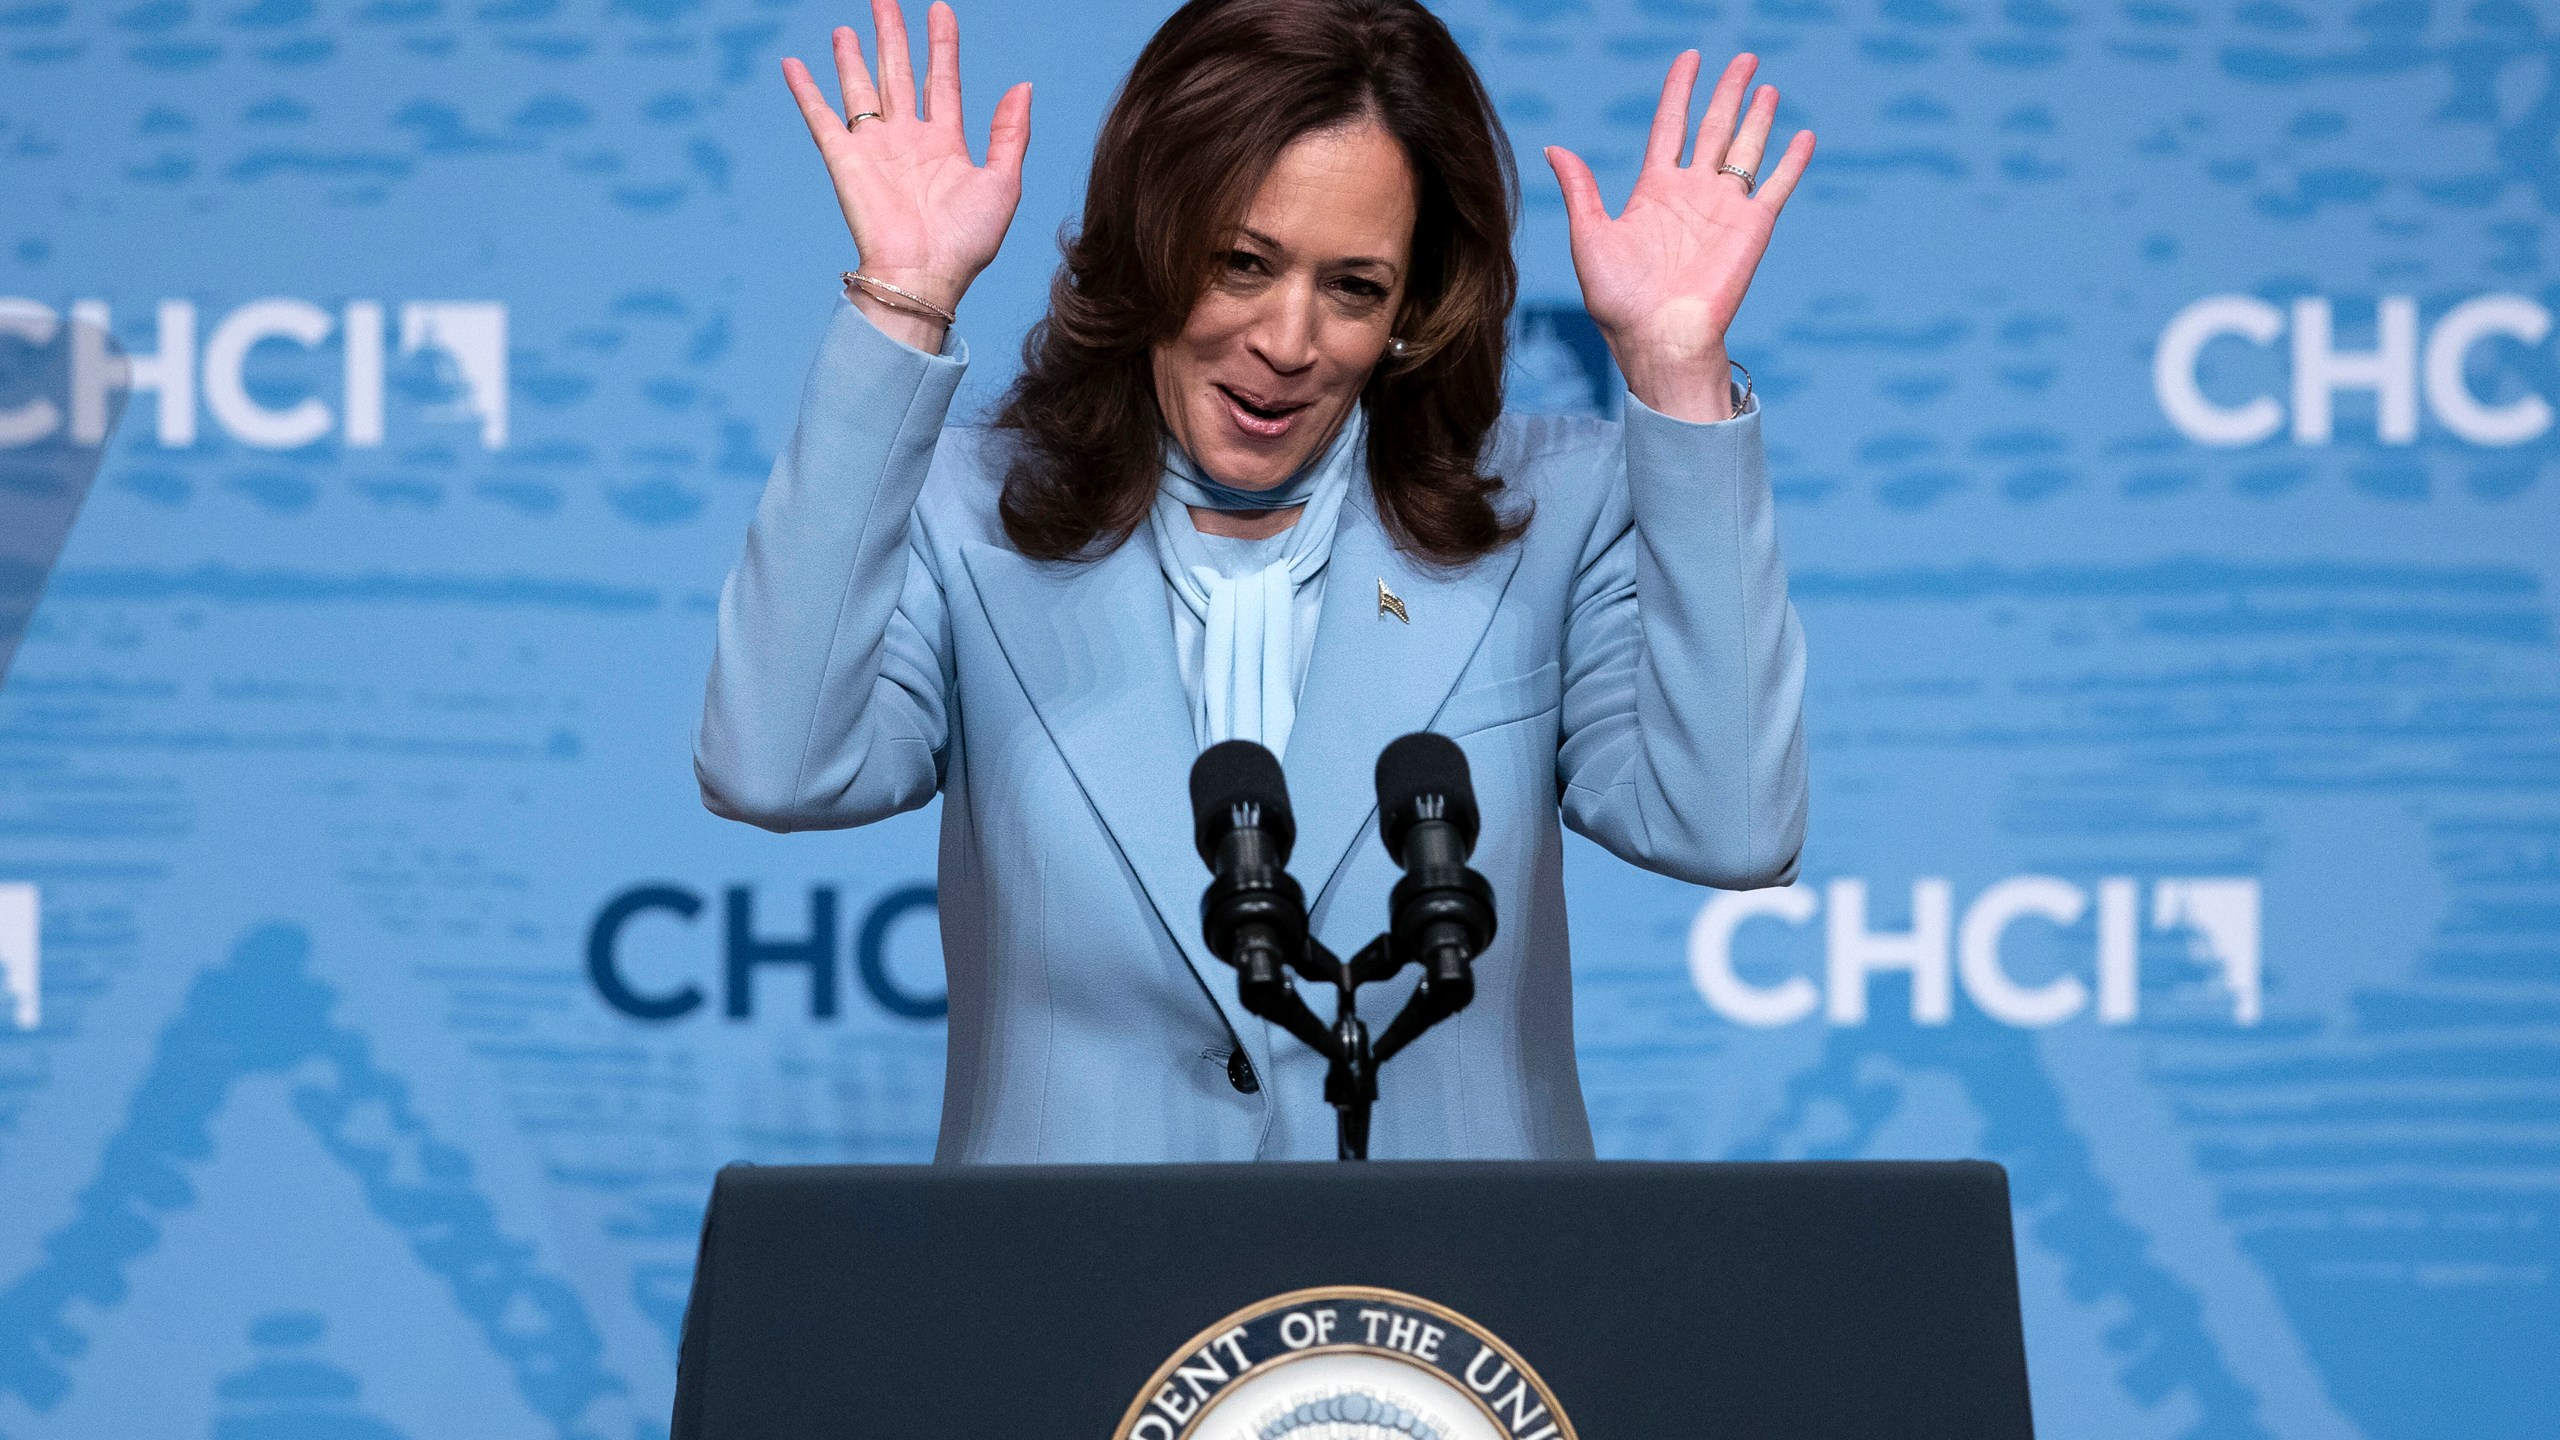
(1249, 623)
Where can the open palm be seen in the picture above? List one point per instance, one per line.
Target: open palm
(1663, 279)
(925, 216)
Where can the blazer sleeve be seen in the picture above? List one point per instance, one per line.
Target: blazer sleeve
(1682, 732)
(828, 702)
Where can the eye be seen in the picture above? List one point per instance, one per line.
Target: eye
(1364, 289)
(1243, 262)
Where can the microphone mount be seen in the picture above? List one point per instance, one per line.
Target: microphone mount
(1351, 1057)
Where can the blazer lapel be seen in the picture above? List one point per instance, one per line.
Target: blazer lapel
(1374, 677)
(1092, 644)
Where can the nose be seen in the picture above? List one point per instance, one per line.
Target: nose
(1284, 331)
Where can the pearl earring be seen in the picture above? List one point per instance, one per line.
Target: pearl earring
(1396, 346)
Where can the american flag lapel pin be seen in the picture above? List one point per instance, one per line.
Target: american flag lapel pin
(1388, 604)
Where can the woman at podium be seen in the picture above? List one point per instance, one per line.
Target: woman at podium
(1255, 481)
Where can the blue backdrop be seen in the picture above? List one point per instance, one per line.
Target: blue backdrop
(2159, 399)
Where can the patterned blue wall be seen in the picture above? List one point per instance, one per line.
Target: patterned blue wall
(341, 722)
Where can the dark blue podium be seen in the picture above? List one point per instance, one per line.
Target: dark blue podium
(1642, 1301)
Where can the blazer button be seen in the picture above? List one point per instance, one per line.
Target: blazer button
(1240, 1072)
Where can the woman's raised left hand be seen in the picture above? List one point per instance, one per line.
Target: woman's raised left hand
(1662, 280)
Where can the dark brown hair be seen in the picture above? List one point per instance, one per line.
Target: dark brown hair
(1220, 91)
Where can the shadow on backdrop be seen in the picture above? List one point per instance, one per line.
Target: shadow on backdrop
(47, 458)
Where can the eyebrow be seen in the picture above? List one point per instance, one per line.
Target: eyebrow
(1359, 262)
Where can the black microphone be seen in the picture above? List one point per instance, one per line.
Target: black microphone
(1253, 915)
(1442, 911)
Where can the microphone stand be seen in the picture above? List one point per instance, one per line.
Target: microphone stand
(1352, 1061)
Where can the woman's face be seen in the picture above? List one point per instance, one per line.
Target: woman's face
(1276, 352)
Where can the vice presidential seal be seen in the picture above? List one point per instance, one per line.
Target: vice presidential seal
(1345, 1363)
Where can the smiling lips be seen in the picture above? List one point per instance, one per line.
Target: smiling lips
(1259, 417)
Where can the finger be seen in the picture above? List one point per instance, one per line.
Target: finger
(1715, 132)
(1753, 139)
(1782, 181)
(1582, 206)
(1010, 134)
(853, 76)
(823, 121)
(815, 108)
(942, 66)
(1671, 113)
(897, 66)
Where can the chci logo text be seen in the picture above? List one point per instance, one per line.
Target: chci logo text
(461, 343)
(2018, 950)
(644, 990)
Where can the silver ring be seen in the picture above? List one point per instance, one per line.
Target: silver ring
(1750, 182)
(854, 120)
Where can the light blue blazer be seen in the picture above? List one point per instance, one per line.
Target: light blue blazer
(1631, 667)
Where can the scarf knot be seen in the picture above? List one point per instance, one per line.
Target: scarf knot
(1249, 622)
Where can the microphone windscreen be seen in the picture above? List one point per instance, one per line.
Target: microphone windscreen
(1423, 776)
(1233, 783)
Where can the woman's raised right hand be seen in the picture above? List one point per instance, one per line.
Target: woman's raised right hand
(925, 217)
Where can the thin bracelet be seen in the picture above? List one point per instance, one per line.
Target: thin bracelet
(1746, 383)
(871, 285)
